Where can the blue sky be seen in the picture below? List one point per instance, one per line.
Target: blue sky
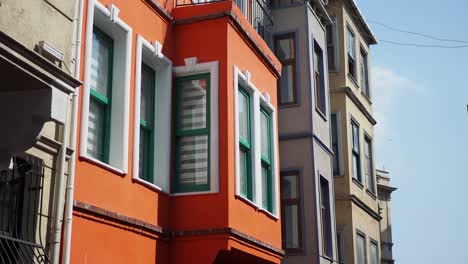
(420, 98)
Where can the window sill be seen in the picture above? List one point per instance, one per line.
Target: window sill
(327, 258)
(193, 193)
(371, 194)
(290, 105)
(358, 183)
(103, 165)
(321, 114)
(268, 213)
(294, 252)
(366, 96)
(353, 80)
(151, 186)
(256, 207)
(339, 176)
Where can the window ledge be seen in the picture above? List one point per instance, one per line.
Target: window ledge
(290, 105)
(256, 207)
(339, 176)
(321, 114)
(194, 193)
(150, 186)
(358, 183)
(268, 213)
(371, 194)
(366, 96)
(328, 258)
(353, 80)
(104, 165)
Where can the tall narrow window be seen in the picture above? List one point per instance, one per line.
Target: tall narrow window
(192, 133)
(338, 242)
(325, 214)
(246, 184)
(364, 74)
(351, 54)
(100, 96)
(356, 155)
(331, 44)
(148, 80)
(266, 155)
(361, 249)
(374, 255)
(291, 212)
(335, 147)
(320, 94)
(285, 50)
(368, 166)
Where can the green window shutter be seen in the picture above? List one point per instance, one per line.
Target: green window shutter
(267, 188)
(146, 160)
(192, 134)
(100, 96)
(245, 167)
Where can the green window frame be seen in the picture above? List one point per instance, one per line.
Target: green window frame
(181, 135)
(104, 101)
(147, 135)
(266, 161)
(245, 149)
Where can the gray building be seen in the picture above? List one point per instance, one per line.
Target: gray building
(307, 185)
(37, 51)
(385, 190)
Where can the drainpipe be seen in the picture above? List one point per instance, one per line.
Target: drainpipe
(66, 246)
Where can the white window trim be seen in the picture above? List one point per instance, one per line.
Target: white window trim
(150, 54)
(107, 19)
(192, 67)
(259, 100)
(339, 133)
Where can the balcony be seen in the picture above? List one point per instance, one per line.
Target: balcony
(257, 12)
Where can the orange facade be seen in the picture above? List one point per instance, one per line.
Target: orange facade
(119, 220)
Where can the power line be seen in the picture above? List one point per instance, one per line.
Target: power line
(423, 45)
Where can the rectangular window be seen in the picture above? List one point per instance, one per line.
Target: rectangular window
(148, 79)
(361, 249)
(245, 148)
(351, 53)
(340, 252)
(356, 155)
(331, 44)
(368, 164)
(374, 253)
(364, 74)
(291, 212)
(266, 155)
(100, 96)
(192, 133)
(320, 94)
(325, 214)
(285, 50)
(335, 147)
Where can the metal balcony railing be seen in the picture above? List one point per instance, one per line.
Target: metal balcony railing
(257, 12)
(23, 212)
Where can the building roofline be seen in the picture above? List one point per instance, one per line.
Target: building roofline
(369, 34)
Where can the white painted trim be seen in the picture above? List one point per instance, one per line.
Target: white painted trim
(105, 165)
(150, 53)
(108, 20)
(259, 100)
(192, 67)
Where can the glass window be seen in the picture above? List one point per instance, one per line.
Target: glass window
(356, 156)
(361, 249)
(374, 253)
(336, 155)
(286, 53)
(148, 79)
(100, 96)
(364, 74)
(325, 215)
(265, 139)
(291, 213)
(246, 179)
(368, 167)
(320, 91)
(351, 53)
(330, 31)
(192, 135)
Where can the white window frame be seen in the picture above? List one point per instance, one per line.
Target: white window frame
(192, 67)
(336, 55)
(150, 54)
(258, 100)
(108, 21)
(339, 133)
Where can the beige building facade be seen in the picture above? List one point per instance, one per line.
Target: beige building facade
(357, 215)
(37, 51)
(385, 190)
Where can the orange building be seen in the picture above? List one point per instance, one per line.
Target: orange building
(177, 135)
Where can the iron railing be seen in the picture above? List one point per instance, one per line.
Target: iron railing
(23, 216)
(257, 12)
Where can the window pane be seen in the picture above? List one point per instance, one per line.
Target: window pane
(101, 61)
(351, 44)
(244, 117)
(355, 167)
(191, 104)
(329, 33)
(265, 135)
(266, 192)
(96, 129)
(373, 253)
(355, 131)
(243, 169)
(285, 48)
(331, 58)
(291, 226)
(289, 187)
(287, 84)
(193, 160)
(144, 167)
(147, 94)
(361, 253)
